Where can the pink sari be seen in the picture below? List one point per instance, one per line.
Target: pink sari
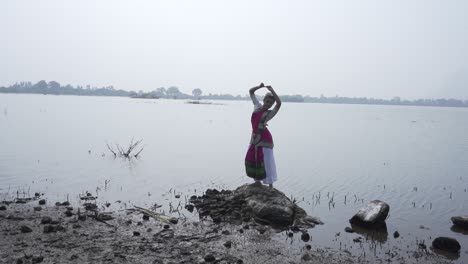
(261, 138)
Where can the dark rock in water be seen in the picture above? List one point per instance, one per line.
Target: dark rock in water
(3, 208)
(42, 201)
(210, 258)
(37, 194)
(82, 217)
(190, 207)
(305, 237)
(167, 226)
(225, 232)
(267, 206)
(136, 233)
(373, 214)
(348, 230)
(308, 247)
(46, 220)
(66, 203)
(37, 208)
(396, 234)
(146, 217)
(460, 221)
(446, 244)
(68, 213)
(228, 244)
(25, 229)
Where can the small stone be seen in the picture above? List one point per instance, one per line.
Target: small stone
(66, 203)
(42, 201)
(447, 244)
(75, 226)
(226, 232)
(3, 208)
(37, 208)
(37, 194)
(25, 229)
(210, 258)
(136, 233)
(19, 261)
(46, 220)
(149, 230)
(305, 237)
(357, 240)
(396, 234)
(239, 261)
(146, 217)
(189, 207)
(82, 217)
(177, 196)
(348, 230)
(306, 257)
(139, 223)
(69, 208)
(241, 230)
(228, 244)
(290, 234)
(217, 220)
(246, 227)
(58, 203)
(308, 247)
(38, 259)
(167, 226)
(68, 213)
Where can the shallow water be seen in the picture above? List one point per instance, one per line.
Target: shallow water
(413, 158)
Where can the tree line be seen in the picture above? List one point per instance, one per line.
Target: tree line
(173, 92)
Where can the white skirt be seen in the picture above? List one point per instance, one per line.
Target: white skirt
(270, 166)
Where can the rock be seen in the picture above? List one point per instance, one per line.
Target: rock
(66, 203)
(189, 207)
(167, 226)
(146, 217)
(357, 240)
(149, 229)
(3, 208)
(53, 229)
(25, 229)
(306, 257)
(396, 234)
(372, 215)
(105, 217)
(295, 228)
(37, 208)
(75, 226)
(177, 196)
(308, 247)
(68, 213)
(82, 217)
(209, 258)
(42, 201)
(46, 220)
(228, 244)
(305, 237)
(136, 233)
(90, 206)
(38, 259)
(173, 220)
(460, 221)
(267, 206)
(348, 230)
(446, 244)
(226, 232)
(290, 234)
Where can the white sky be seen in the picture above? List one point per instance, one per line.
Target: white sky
(407, 48)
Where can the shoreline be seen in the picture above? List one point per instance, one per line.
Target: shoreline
(76, 235)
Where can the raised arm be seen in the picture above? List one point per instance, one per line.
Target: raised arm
(253, 89)
(277, 99)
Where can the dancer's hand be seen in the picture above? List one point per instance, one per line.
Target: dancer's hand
(261, 85)
(269, 88)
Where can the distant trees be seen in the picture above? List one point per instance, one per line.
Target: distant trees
(197, 92)
(173, 92)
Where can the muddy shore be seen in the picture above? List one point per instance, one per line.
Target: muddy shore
(48, 233)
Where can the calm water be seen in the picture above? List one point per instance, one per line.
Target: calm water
(413, 158)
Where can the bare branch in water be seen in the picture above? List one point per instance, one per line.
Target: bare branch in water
(121, 152)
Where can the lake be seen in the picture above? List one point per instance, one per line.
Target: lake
(413, 158)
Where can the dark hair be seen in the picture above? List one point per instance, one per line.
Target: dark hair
(269, 95)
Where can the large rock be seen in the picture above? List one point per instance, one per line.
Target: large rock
(447, 244)
(256, 202)
(460, 221)
(373, 215)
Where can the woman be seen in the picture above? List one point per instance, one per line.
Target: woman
(259, 160)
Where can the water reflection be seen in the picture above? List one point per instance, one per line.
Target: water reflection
(378, 233)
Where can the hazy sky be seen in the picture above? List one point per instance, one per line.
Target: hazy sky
(413, 49)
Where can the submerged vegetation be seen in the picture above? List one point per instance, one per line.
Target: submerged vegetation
(173, 92)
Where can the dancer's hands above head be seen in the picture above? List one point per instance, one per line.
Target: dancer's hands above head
(261, 85)
(269, 88)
